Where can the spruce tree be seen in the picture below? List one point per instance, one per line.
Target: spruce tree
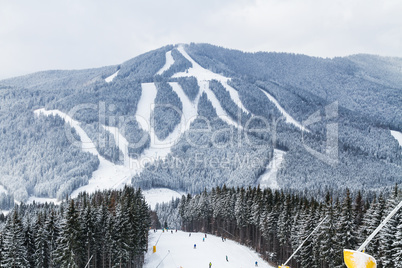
(14, 252)
(70, 243)
(41, 256)
(347, 228)
(388, 233)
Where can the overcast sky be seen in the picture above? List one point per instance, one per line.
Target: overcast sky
(60, 34)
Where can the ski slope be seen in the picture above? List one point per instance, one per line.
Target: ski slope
(177, 251)
(398, 136)
(160, 195)
(268, 178)
(168, 63)
(288, 118)
(203, 75)
(108, 175)
(110, 78)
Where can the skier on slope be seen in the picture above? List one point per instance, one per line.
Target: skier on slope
(227, 259)
(210, 265)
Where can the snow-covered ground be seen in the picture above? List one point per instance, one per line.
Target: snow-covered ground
(288, 118)
(110, 78)
(268, 178)
(160, 195)
(168, 63)
(398, 136)
(177, 250)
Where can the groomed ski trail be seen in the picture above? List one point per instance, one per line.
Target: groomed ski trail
(177, 250)
(168, 63)
(288, 118)
(110, 78)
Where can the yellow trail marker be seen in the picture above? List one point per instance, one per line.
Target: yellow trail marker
(357, 259)
(154, 249)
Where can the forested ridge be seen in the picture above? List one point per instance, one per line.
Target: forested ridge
(37, 160)
(275, 223)
(104, 229)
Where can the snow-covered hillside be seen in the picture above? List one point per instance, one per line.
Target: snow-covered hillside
(177, 251)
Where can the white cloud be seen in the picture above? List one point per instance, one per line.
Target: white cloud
(40, 35)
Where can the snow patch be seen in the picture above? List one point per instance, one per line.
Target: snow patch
(398, 136)
(177, 250)
(168, 63)
(160, 195)
(268, 178)
(288, 118)
(110, 78)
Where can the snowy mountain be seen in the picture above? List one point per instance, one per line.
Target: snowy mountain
(189, 117)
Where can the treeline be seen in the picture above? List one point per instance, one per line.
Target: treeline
(275, 223)
(104, 229)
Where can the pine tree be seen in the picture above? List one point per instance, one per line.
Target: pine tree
(14, 251)
(70, 242)
(388, 233)
(29, 242)
(307, 251)
(398, 244)
(284, 227)
(52, 230)
(41, 256)
(347, 228)
(330, 249)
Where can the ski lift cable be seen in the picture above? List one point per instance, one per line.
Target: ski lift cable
(393, 212)
(300, 246)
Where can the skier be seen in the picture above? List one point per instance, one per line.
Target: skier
(256, 263)
(227, 259)
(195, 246)
(203, 239)
(210, 265)
(205, 235)
(189, 234)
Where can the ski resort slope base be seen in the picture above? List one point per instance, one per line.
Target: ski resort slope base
(177, 251)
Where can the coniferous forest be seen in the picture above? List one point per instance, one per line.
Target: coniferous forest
(275, 223)
(104, 229)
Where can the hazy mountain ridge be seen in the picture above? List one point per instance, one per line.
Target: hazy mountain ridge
(369, 105)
